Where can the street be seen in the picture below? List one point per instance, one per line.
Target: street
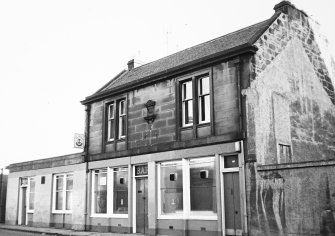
(4, 232)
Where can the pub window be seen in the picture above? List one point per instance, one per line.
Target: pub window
(111, 122)
(187, 188)
(122, 119)
(171, 188)
(187, 103)
(100, 191)
(116, 120)
(195, 100)
(110, 191)
(202, 186)
(204, 100)
(120, 186)
(63, 186)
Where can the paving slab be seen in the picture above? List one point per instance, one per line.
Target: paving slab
(63, 232)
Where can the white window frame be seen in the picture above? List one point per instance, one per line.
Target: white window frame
(187, 213)
(28, 195)
(159, 198)
(199, 98)
(110, 194)
(110, 118)
(64, 193)
(121, 115)
(184, 100)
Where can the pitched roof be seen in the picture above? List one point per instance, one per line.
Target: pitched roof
(224, 44)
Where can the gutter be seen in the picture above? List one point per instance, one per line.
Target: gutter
(204, 61)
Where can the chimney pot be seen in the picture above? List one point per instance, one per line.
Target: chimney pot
(131, 64)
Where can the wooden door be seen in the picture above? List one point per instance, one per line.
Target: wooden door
(142, 205)
(232, 203)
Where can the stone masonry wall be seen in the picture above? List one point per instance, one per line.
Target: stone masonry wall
(95, 121)
(163, 129)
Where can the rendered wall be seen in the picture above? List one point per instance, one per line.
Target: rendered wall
(43, 216)
(290, 101)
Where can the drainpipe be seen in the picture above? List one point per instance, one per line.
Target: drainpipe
(86, 158)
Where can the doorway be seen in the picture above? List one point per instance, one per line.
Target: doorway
(232, 214)
(232, 203)
(23, 207)
(142, 205)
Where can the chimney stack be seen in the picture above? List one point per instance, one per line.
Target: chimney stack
(134, 63)
(288, 8)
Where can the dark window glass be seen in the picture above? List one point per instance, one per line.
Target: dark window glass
(120, 190)
(203, 184)
(171, 177)
(100, 191)
(230, 161)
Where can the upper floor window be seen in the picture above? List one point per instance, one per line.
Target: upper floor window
(116, 128)
(203, 99)
(195, 99)
(187, 100)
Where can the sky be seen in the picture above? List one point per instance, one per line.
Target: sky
(53, 54)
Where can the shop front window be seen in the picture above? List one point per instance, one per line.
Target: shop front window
(120, 185)
(100, 191)
(187, 188)
(171, 188)
(202, 185)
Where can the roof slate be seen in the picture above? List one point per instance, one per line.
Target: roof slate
(245, 36)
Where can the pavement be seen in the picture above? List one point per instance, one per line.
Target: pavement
(54, 231)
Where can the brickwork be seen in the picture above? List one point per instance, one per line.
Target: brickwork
(163, 129)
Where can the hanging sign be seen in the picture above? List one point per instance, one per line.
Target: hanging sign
(79, 141)
(141, 170)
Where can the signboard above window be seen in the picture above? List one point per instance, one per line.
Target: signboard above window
(141, 170)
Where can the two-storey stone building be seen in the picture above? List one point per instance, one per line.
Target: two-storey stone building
(234, 136)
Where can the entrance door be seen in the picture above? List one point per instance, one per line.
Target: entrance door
(23, 206)
(142, 205)
(232, 203)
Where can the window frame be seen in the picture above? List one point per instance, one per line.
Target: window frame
(28, 195)
(64, 190)
(109, 194)
(116, 102)
(187, 213)
(194, 77)
(110, 118)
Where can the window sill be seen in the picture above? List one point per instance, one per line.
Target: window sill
(30, 211)
(193, 217)
(204, 124)
(170, 217)
(115, 140)
(123, 216)
(61, 212)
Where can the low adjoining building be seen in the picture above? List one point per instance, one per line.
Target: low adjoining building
(234, 136)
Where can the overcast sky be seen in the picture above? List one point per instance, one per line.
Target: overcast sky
(55, 53)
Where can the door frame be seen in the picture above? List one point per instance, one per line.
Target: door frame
(21, 187)
(145, 176)
(240, 169)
